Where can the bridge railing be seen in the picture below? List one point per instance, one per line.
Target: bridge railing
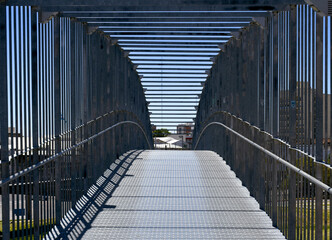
(289, 184)
(71, 103)
(276, 75)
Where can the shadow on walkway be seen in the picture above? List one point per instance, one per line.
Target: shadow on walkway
(78, 220)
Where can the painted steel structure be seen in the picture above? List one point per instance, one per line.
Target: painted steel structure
(276, 95)
(172, 43)
(72, 96)
(75, 76)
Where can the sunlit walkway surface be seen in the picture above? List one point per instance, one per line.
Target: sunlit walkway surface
(169, 195)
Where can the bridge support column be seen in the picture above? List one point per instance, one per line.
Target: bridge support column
(4, 123)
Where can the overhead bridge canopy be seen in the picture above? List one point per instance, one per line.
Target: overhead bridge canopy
(83, 81)
(173, 43)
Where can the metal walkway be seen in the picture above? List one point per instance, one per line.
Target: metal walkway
(171, 195)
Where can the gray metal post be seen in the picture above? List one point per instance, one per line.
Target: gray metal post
(260, 85)
(4, 125)
(274, 184)
(34, 93)
(73, 159)
(275, 130)
(292, 118)
(57, 118)
(93, 85)
(85, 107)
(266, 37)
(319, 122)
(261, 172)
(292, 199)
(292, 76)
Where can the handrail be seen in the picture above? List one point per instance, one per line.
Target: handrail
(54, 157)
(279, 159)
(71, 130)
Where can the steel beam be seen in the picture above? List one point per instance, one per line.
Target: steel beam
(168, 53)
(174, 86)
(182, 45)
(162, 25)
(170, 49)
(173, 5)
(108, 29)
(167, 62)
(125, 13)
(162, 19)
(119, 32)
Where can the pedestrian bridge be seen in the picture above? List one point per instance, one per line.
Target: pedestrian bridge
(84, 83)
(155, 194)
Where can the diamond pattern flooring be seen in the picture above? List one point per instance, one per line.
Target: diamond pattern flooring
(181, 195)
(177, 195)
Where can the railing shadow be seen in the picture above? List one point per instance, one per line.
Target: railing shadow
(78, 220)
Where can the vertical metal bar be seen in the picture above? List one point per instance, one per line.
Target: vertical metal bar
(29, 81)
(325, 91)
(292, 199)
(42, 130)
(22, 100)
(4, 26)
(319, 121)
(274, 185)
(292, 75)
(94, 98)
(34, 94)
(85, 81)
(299, 106)
(265, 88)
(73, 60)
(15, 186)
(48, 102)
(275, 92)
(261, 79)
(52, 120)
(57, 118)
(305, 125)
(310, 84)
(24, 50)
(11, 102)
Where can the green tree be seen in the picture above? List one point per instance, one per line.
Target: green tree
(161, 133)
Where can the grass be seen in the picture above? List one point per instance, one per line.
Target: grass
(305, 228)
(23, 227)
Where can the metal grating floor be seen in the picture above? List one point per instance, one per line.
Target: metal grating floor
(179, 195)
(166, 195)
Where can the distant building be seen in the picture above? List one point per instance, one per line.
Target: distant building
(185, 128)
